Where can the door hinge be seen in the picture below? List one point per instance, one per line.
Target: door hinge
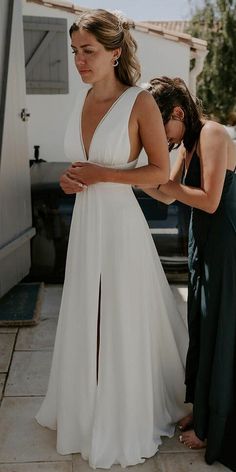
(24, 114)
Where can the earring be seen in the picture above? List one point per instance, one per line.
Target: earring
(176, 118)
(116, 62)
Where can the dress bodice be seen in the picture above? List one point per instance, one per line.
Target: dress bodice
(110, 144)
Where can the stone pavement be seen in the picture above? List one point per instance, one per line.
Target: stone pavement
(25, 357)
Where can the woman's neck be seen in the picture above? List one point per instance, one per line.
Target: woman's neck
(101, 92)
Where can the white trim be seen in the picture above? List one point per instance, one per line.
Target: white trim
(16, 243)
(164, 230)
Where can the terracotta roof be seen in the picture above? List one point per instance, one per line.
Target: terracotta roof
(165, 29)
(160, 28)
(178, 26)
(60, 5)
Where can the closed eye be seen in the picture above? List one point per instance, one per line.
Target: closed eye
(85, 51)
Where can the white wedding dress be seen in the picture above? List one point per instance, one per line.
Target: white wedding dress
(112, 263)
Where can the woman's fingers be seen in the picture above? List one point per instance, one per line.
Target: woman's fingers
(80, 164)
(86, 173)
(70, 186)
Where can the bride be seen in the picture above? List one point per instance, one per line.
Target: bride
(117, 378)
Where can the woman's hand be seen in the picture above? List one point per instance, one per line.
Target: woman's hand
(86, 173)
(69, 185)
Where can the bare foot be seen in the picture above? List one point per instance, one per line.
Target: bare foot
(185, 422)
(189, 439)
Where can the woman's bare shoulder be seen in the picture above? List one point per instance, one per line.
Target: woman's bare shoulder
(145, 98)
(145, 106)
(212, 129)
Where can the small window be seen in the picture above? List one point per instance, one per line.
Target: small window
(46, 56)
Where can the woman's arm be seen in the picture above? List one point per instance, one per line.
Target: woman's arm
(147, 129)
(176, 176)
(213, 159)
(158, 195)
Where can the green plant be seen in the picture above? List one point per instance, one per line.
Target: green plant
(216, 87)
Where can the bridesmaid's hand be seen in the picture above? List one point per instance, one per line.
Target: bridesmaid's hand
(70, 186)
(86, 172)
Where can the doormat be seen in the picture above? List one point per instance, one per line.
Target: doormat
(21, 305)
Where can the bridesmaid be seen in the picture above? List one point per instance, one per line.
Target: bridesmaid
(204, 178)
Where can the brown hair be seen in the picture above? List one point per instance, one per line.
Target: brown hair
(169, 93)
(112, 31)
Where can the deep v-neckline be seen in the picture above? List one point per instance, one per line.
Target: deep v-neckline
(86, 154)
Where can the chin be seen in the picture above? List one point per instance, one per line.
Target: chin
(86, 81)
(86, 78)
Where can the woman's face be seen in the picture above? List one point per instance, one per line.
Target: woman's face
(92, 60)
(175, 127)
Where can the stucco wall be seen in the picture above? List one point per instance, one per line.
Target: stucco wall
(160, 56)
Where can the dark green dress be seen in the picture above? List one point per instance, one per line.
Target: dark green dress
(211, 358)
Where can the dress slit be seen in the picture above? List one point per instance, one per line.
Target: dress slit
(98, 327)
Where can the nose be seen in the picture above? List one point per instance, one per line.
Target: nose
(79, 59)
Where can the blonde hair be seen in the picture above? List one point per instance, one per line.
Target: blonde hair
(111, 29)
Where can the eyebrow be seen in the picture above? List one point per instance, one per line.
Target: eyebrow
(83, 46)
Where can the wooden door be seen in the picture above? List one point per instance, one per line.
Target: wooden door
(15, 201)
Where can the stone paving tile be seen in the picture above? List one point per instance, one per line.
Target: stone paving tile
(80, 465)
(148, 466)
(37, 467)
(29, 373)
(37, 338)
(22, 439)
(27, 447)
(181, 291)
(6, 346)
(6, 329)
(190, 462)
(173, 445)
(180, 294)
(2, 383)
(51, 300)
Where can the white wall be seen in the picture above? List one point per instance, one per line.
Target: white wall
(160, 56)
(49, 113)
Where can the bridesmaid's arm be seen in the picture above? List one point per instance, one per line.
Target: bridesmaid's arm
(213, 150)
(158, 195)
(176, 176)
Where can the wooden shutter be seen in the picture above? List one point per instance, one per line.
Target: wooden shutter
(46, 57)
